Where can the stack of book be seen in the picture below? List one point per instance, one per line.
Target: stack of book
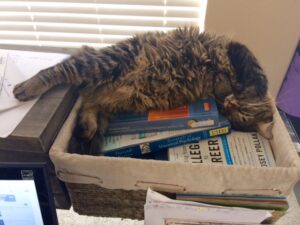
(160, 209)
(236, 148)
(194, 134)
(142, 135)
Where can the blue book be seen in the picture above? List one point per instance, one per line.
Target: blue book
(136, 145)
(202, 113)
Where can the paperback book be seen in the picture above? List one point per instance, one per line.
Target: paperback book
(136, 145)
(236, 148)
(201, 113)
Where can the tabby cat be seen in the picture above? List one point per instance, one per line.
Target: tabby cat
(159, 71)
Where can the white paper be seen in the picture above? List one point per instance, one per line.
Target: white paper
(31, 63)
(15, 67)
(10, 75)
(159, 209)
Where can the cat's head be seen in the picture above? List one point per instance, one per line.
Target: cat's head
(248, 107)
(250, 114)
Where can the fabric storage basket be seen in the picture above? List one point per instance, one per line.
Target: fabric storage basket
(116, 187)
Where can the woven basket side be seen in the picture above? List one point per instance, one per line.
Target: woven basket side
(92, 200)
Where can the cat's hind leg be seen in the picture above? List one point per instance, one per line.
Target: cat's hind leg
(96, 112)
(97, 108)
(86, 125)
(88, 134)
(92, 122)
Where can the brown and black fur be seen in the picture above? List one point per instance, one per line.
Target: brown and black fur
(159, 71)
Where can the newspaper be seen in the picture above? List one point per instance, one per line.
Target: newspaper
(236, 148)
(160, 210)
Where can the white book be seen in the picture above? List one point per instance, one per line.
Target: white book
(236, 148)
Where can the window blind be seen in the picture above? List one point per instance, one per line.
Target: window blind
(97, 23)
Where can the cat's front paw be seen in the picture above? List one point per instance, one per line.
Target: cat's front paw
(29, 89)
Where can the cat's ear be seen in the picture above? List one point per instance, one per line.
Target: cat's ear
(265, 129)
(247, 69)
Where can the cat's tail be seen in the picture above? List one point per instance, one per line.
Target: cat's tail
(248, 72)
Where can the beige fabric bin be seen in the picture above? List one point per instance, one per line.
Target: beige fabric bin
(116, 187)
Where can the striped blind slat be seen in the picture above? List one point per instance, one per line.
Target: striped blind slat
(72, 23)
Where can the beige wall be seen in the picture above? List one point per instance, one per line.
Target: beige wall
(270, 28)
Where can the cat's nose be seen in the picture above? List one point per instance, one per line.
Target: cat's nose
(229, 105)
(230, 102)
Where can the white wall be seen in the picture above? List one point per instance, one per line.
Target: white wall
(270, 28)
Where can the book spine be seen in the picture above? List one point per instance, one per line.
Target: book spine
(162, 125)
(131, 151)
(151, 147)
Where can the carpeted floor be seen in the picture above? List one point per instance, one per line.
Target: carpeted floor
(69, 217)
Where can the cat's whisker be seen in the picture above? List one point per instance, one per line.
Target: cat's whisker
(265, 102)
(278, 102)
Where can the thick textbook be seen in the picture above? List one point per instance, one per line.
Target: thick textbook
(236, 148)
(136, 145)
(201, 113)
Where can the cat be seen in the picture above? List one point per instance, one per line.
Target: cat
(159, 71)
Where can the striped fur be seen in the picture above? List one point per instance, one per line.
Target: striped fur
(159, 71)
